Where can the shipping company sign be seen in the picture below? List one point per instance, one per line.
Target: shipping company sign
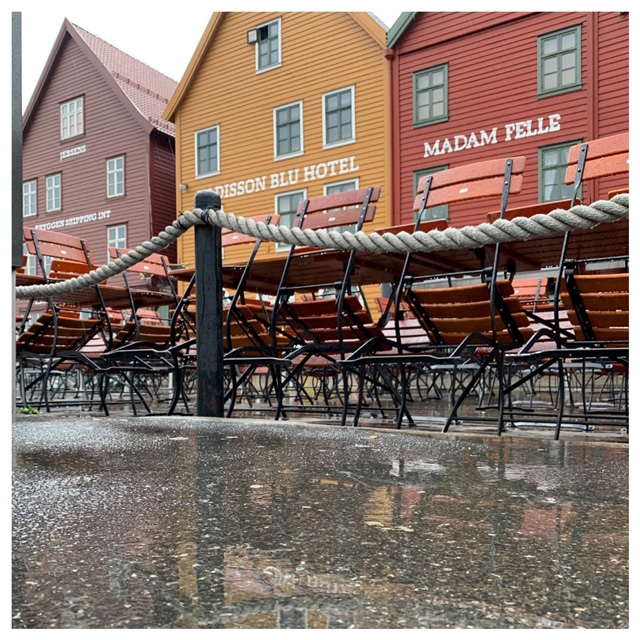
(69, 222)
(510, 131)
(291, 177)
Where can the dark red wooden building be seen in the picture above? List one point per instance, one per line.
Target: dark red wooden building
(470, 86)
(98, 159)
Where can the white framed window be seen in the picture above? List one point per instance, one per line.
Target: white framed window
(338, 117)
(71, 118)
(268, 46)
(340, 187)
(54, 192)
(208, 152)
(29, 198)
(287, 131)
(287, 207)
(30, 265)
(117, 238)
(115, 177)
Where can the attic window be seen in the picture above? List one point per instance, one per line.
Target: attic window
(71, 118)
(268, 46)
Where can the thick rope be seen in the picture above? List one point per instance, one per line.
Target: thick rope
(469, 237)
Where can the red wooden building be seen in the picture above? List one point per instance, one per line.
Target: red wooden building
(98, 159)
(470, 86)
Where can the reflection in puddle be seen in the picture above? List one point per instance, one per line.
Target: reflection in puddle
(250, 529)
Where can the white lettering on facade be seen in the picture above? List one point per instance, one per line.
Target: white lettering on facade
(512, 131)
(73, 152)
(288, 178)
(69, 222)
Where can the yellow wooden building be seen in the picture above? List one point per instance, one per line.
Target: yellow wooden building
(276, 107)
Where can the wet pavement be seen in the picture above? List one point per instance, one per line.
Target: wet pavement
(189, 522)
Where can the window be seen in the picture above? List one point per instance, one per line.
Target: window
(54, 192)
(287, 122)
(29, 200)
(115, 177)
(553, 167)
(116, 237)
(30, 264)
(431, 213)
(268, 52)
(71, 118)
(339, 187)
(287, 207)
(338, 117)
(559, 67)
(207, 152)
(430, 95)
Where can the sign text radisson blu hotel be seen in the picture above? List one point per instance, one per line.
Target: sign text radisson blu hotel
(290, 177)
(512, 131)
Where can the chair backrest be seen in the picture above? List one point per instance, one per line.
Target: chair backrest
(597, 305)
(596, 159)
(497, 178)
(335, 210)
(451, 314)
(59, 255)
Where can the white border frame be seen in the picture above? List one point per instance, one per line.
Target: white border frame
(195, 152)
(295, 154)
(341, 143)
(257, 57)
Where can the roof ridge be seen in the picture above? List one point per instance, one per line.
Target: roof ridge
(128, 55)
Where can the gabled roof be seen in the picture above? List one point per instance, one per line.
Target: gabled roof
(367, 21)
(143, 90)
(399, 27)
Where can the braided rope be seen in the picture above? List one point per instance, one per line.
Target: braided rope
(469, 237)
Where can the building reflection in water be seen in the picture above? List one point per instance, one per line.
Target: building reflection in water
(243, 532)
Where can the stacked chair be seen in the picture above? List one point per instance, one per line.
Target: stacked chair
(590, 358)
(253, 356)
(50, 360)
(469, 326)
(329, 320)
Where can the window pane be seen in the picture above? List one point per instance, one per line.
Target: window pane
(568, 41)
(549, 46)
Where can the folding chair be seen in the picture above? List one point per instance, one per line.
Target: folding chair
(250, 350)
(326, 328)
(51, 347)
(587, 161)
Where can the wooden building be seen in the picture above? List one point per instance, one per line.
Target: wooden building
(99, 159)
(275, 107)
(471, 86)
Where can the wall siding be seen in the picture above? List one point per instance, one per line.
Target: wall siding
(492, 65)
(110, 130)
(321, 52)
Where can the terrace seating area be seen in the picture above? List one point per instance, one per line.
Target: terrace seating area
(517, 335)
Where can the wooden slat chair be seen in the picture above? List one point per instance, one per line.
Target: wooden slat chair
(327, 328)
(54, 342)
(134, 357)
(483, 335)
(587, 161)
(253, 358)
(376, 363)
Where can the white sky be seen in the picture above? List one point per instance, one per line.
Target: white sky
(164, 36)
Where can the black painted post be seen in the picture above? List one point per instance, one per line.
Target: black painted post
(209, 367)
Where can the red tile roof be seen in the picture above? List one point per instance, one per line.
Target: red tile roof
(148, 89)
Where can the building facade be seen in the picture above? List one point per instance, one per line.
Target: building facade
(467, 87)
(98, 159)
(277, 107)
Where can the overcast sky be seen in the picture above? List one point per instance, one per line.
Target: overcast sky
(157, 34)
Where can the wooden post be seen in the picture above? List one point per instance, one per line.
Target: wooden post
(209, 330)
